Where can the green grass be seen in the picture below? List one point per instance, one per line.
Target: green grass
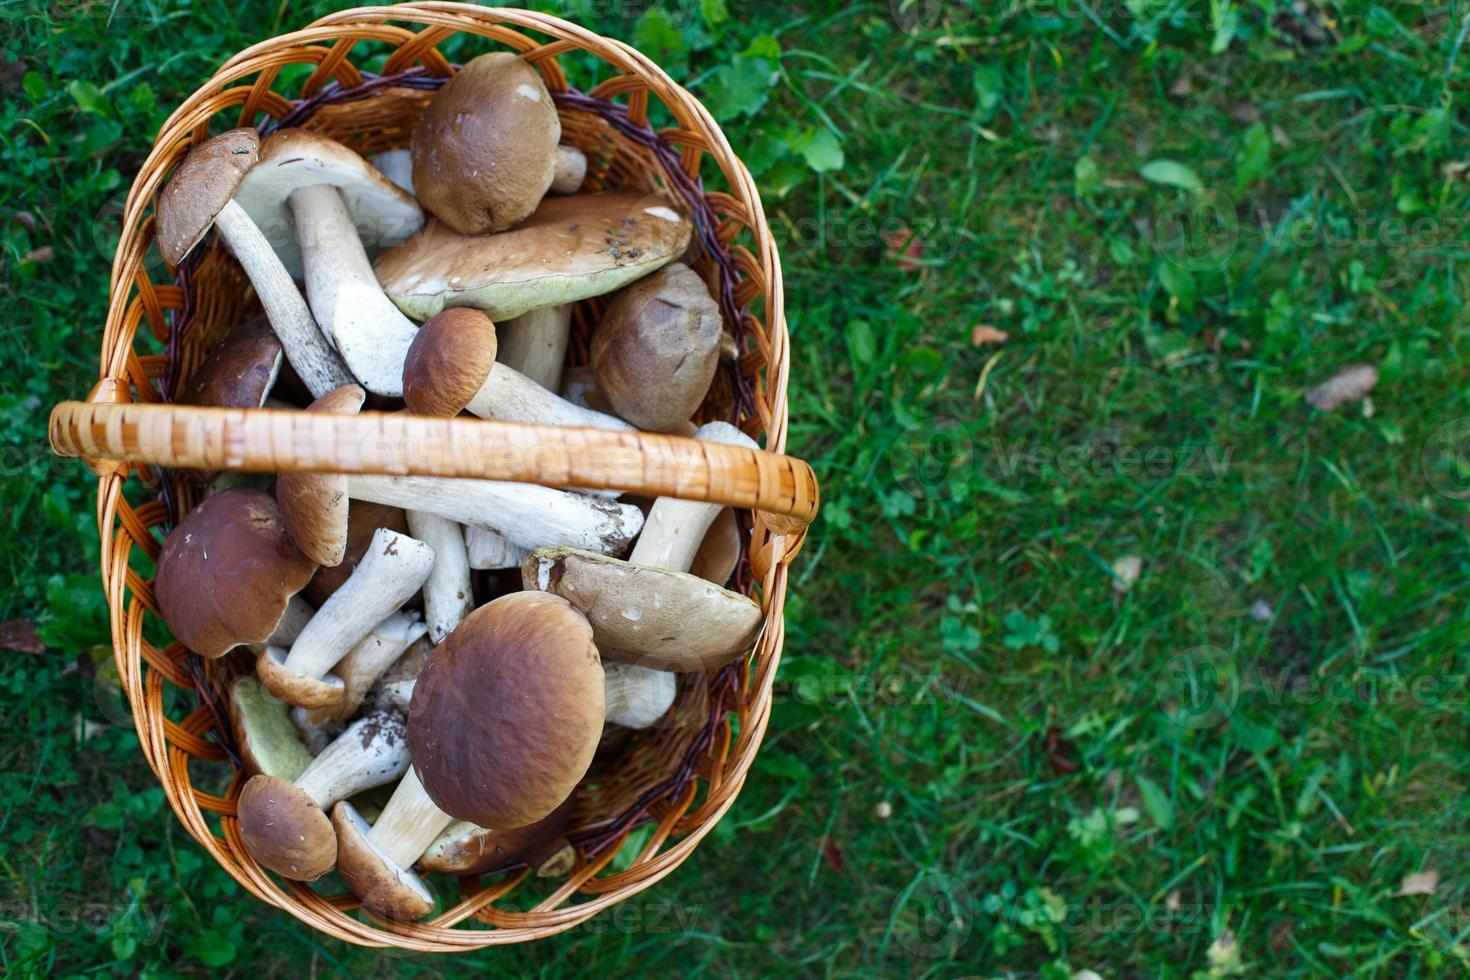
(1141, 782)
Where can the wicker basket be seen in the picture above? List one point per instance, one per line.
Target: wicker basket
(680, 777)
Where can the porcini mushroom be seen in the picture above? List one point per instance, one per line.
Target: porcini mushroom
(339, 205)
(228, 573)
(719, 552)
(569, 249)
(285, 825)
(393, 569)
(447, 595)
(484, 149)
(465, 848)
(655, 352)
(314, 505)
(359, 670)
(263, 734)
(570, 170)
(648, 610)
(363, 518)
(535, 344)
(637, 696)
(240, 371)
(201, 195)
(491, 551)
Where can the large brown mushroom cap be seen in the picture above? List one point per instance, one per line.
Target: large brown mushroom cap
(506, 714)
(284, 829)
(315, 504)
(571, 248)
(484, 151)
(240, 371)
(227, 572)
(468, 849)
(363, 520)
(384, 887)
(267, 740)
(656, 350)
(200, 188)
(448, 362)
(648, 616)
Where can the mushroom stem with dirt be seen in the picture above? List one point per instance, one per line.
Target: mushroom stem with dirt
(285, 825)
(447, 594)
(377, 861)
(200, 195)
(491, 550)
(359, 670)
(465, 848)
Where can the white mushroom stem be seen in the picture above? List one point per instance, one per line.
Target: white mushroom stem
(313, 359)
(530, 516)
(397, 166)
(535, 344)
(571, 170)
(362, 666)
(367, 329)
(392, 569)
(674, 529)
(409, 823)
(298, 613)
(371, 752)
(577, 385)
(491, 550)
(510, 396)
(447, 595)
(636, 697)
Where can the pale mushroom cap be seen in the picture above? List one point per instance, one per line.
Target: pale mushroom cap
(240, 371)
(227, 572)
(469, 849)
(448, 361)
(648, 616)
(295, 687)
(484, 151)
(314, 505)
(382, 213)
(657, 348)
(363, 520)
(284, 829)
(267, 740)
(507, 712)
(571, 248)
(200, 188)
(390, 891)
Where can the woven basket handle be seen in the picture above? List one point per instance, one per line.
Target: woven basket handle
(782, 489)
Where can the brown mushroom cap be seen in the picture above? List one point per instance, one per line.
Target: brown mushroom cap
(507, 712)
(267, 740)
(315, 504)
(448, 361)
(363, 519)
(484, 150)
(200, 188)
(295, 687)
(385, 888)
(569, 249)
(284, 829)
(240, 371)
(469, 849)
(656, 350)
(648, 616)
(227, 572)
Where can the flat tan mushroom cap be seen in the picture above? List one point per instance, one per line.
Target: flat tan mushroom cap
(386, 889)
(227, 572)
(571, 248)
(284, 829)
(448, 362)
(294, 687)
(267, 740)
(314, 505)
(363, 519)
(469, 849)
(200, 188)
(648, 616)
(484, 151)
(240, 371)
(507, 712)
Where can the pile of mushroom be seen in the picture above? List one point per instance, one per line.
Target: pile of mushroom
(470, 643)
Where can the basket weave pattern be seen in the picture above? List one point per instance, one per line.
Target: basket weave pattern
(681, 777)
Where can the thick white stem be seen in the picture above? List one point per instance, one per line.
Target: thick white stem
(370, 333)
(392, 569)
(492, 550)
(409, 823)
(529, 515)
(397, 166)
(510, 396)
(674, 529)
(535, 344)
(447, 595)
(314, 361)
(371, 752)
(298, 613)
(571, 170)
(636, 697)
(374, 654)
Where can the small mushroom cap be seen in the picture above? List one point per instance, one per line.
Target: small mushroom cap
(384, 887)
(363, 520)
(227, 572)
(448, 361)
(290, 159)
(200, 188)
(241, 371)
(315, 504)
(469, 849)
(657, 348)
(484, 150)
(284, 829)
(569, 249)
(719, 552)
(648, 616)
(267, 740)
(507, 712)
(295, 687)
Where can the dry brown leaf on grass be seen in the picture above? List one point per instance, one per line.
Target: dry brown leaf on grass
(1418, 883)
(20, 635)
(905, 247)
(983, 333)
(1351, 384)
